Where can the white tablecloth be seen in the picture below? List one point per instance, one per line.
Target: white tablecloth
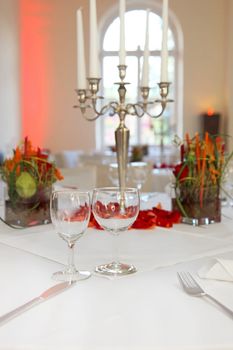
(147, 310)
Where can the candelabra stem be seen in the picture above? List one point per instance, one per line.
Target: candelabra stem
(122, 146)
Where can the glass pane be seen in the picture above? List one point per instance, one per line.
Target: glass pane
(154, 71)
(110, 125)
(111, 38)
(145, 130)
(110, 76)
(135, 33)
(132, 78)
(171, 69)
(170, 40)
(156, 131)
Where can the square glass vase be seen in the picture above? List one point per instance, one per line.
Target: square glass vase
(29, 212)
(195, 211)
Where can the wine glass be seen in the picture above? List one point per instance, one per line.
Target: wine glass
(138, 173)
(113, 174)
(115, 210)
(70, 213)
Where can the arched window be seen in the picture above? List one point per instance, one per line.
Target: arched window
(144, 130)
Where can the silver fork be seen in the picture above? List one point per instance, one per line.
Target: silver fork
(192, 287)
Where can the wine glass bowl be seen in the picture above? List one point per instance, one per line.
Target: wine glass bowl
(70, 214)
(115, 210)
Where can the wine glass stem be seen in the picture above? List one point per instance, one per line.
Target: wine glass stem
(115, 248)
(71, 267)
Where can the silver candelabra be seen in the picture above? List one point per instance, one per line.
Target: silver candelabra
(88, 99)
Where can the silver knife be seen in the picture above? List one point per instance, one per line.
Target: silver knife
(58, 288)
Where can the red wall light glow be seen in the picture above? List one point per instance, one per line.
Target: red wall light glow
(34, 69)
(210, 112)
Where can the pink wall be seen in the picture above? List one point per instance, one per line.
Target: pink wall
(35, 69)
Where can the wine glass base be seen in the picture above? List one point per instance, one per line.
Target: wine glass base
(64, 276)
(115, 269)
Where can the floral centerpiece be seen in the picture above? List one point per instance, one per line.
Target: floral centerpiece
(198, 178)
(29, 176)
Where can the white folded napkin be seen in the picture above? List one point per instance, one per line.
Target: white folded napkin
(218, 269)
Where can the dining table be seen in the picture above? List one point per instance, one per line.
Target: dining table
(142, 311)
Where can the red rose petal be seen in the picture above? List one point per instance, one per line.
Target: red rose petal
(146, 219)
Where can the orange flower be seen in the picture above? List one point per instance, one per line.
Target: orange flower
(17, 155)
(9, 164)
(58, 174)
(31, 160)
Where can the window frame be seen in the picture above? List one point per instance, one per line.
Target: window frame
(156, 7)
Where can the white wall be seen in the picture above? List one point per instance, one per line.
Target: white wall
(207, 49)
(9, 73)
(204, 26)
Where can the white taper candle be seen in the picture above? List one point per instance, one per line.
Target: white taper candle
(164, 54)
(122, 32)
(81, 65)
(93, 42)
(145, 67)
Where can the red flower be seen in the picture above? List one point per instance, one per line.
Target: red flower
(112, 210)
(146, 219)
(181, 171)
(79, 215)
(149, 219)
(93, 223)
